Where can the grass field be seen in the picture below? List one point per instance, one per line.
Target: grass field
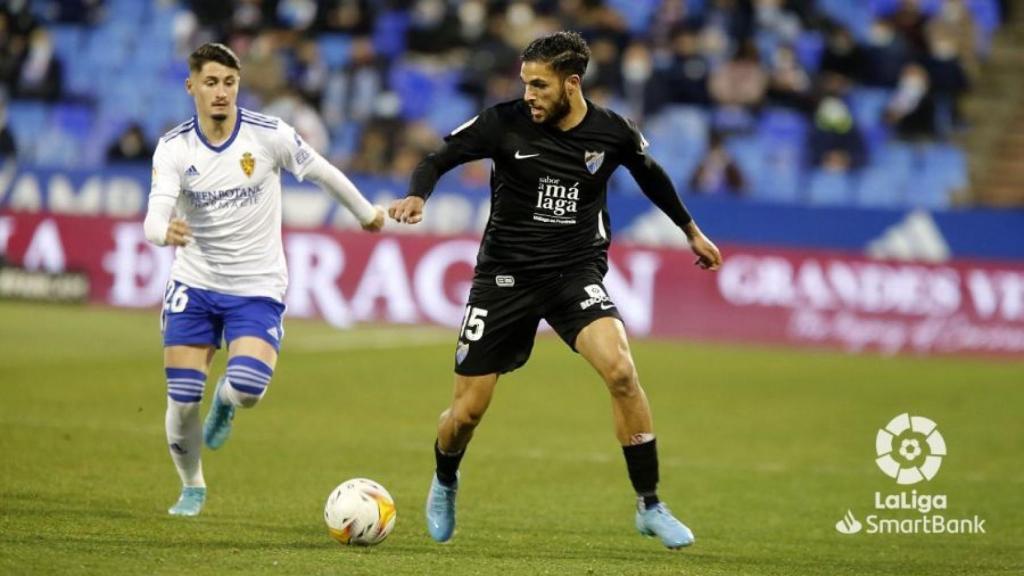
(762, 451)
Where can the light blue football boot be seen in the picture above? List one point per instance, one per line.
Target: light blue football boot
(659, 521)
(441, 509)
(217, 427)
(190, 503)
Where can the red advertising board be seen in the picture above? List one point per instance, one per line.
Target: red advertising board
(767, 295)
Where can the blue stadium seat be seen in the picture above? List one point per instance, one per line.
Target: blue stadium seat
(878, 186)
(75, 120)
(335, 49)
(783, 124)
(27, 119)
(868, 106)
(854, 15)
(809, 48)
(896, 157)
(67, 41)
(452, 112)
(637, 13)
(829, 188)
(927, 190)
(389, 33)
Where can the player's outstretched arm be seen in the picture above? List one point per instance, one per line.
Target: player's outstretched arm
(335, 183)
(466, 143)
(657, 186)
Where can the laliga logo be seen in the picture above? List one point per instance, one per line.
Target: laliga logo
(910, 432)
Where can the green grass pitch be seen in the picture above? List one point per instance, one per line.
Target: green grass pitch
(762, 451)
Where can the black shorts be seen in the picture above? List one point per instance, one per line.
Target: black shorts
(504, 311)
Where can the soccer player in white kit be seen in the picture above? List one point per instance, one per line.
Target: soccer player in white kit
(216, 196)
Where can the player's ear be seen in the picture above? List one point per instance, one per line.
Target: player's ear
(188, 86)
(572, 83)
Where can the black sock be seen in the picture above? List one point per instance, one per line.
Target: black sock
(642, 463)
(447, 465)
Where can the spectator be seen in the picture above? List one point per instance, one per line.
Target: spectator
(8, 146)
(346, 16)
(291, 108)
(309, 72)
(39, 76)
(636, 72)
(948, 81)
(789, 84)
(741, 82)
(685, 79)
(885, 56)
(434, 28)
(911, 110)
(717, 173)
(351, 94)
(842, 56)
(835, 143)
(954, 23)
(130, 146)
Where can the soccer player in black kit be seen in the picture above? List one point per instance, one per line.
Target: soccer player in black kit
(543, 256)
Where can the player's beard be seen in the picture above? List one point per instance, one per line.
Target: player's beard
(559, 110)
(219, 117)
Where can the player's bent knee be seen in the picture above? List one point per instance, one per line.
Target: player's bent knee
(621, 379)
(466, 417)
(249, 378)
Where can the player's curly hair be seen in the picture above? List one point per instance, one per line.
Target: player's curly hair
(213, 52)
(565, 51)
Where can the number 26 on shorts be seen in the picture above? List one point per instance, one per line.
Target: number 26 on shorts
(473, 323)
(175, 300)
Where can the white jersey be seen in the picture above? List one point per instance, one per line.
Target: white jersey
(230, 196)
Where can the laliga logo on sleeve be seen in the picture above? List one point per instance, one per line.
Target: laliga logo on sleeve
(905, 434)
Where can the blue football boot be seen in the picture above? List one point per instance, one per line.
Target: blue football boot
(217, 427)
(441, 509)
(190, 503)
(659, 521)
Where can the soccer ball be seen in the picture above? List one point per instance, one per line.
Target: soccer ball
(360, 512)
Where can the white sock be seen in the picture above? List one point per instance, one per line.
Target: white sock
(184, 440)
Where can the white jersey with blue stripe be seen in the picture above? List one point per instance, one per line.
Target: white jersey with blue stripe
(230, 196)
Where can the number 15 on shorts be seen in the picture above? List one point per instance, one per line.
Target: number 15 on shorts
(473, 323)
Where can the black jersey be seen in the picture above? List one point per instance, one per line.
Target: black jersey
(548, 186)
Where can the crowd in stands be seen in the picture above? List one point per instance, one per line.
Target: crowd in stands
(822, 101)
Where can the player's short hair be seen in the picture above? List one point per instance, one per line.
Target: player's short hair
(213, 52)
(565, 51)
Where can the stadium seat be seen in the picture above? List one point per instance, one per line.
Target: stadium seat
(637, 13)
(335, 49)
(879, 187)
(829, 188)
(809, 48)
(389, 33)
(27, 119)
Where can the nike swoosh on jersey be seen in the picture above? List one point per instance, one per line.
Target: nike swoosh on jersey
(524, 156)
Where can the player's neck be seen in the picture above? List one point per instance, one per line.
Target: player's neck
(577, 112)
(217, 132)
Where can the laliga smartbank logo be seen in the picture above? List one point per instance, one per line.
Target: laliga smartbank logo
(909, 450)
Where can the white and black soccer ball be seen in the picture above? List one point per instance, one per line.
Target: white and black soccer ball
(360, 512)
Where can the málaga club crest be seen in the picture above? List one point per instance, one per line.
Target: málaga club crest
(593, 161)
